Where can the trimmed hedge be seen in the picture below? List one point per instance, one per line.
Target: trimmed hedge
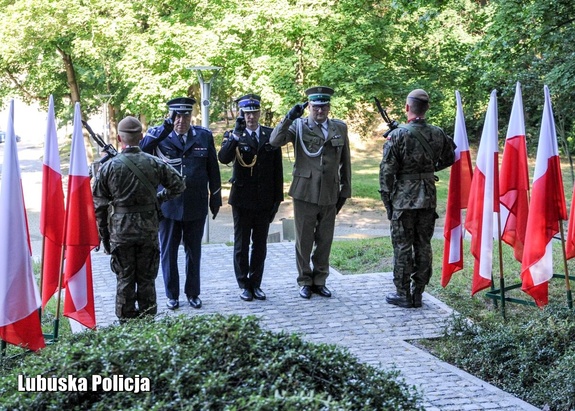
(206, 363)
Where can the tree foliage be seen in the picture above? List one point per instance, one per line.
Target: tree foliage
(140, 54)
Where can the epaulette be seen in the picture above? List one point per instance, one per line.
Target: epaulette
(270, 129)
(203, 128)
(153, 131)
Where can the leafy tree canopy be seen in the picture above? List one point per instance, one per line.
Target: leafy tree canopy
(140, 54)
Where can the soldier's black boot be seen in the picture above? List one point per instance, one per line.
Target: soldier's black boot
(399, 298)
(416, 296)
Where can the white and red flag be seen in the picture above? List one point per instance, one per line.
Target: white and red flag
(81, 233)
(52, 212)
(457, 196)
(19, 295)
(514, 180)
(484, 200)
(547, 207)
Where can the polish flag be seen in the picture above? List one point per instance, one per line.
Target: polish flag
(52, 213)
(484, 200)
(80, 234)
(514, 180)
(546, 209)
(458, 194)
(19, 295)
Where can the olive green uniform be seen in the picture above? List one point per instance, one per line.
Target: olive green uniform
(321, 175)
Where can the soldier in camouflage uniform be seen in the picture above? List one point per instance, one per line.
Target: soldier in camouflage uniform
(128, 220)
(411, 155)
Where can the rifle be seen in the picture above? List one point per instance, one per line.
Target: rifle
(107, 148)
(391, 124)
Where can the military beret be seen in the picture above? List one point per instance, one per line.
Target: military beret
(181, 105)
(249, 102)
(419, 95)
(130, 125)
(319, 95)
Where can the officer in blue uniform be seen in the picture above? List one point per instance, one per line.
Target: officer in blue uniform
(256, 193)
(191, 150)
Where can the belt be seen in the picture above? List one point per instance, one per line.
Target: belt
(134, 209)
(421, 176)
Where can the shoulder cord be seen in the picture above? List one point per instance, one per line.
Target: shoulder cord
(243, 163)
(174, 162)
(299, 136)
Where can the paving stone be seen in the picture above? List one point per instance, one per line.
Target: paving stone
(355, 318)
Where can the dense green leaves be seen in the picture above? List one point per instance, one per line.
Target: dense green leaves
(532, 359)
(140, 54)
(206, 363)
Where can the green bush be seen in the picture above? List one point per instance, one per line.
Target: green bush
(206, 363)
(531, 359)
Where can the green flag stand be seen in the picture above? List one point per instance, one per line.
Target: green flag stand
(499, 294)
(51, 338)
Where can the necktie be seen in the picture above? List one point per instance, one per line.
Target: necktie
(181, 138)
(323, 129)
(255, 137)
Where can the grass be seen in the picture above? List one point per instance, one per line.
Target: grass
(528, 351)
(376, 255)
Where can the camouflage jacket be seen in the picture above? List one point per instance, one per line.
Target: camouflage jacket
(406, 176)
(125, 207)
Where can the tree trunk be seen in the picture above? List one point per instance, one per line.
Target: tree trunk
(75, 97)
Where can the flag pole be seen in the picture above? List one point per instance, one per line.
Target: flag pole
(566, 269)
(501, 278)
(41, 276)
(59, 299)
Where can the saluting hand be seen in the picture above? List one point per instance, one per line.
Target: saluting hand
(297, 111)
(240, 125)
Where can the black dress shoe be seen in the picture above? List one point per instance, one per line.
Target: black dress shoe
(399, 299)
(246, 294)
(259, 294)
(305, 291)
(321, 290)
(172, 304)
(195, 302)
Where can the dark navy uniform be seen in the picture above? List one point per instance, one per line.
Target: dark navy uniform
(184, 216)
(257, 190)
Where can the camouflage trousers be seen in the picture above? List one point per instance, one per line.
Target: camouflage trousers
(136, 268)
(411, 232)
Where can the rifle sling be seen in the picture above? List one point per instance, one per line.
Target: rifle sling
(415, 133)
(141, 177)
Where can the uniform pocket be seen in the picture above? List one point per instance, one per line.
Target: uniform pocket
(199, 151)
